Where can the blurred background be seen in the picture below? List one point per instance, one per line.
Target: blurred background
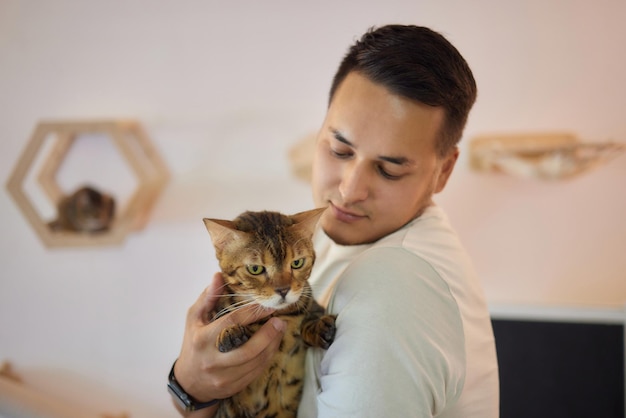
(224, 90)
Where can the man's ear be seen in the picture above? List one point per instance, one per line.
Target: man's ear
(447, 164)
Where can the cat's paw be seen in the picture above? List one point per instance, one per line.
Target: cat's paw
(326, 330)
(321, 332)
(232, 337)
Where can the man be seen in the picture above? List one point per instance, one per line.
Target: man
(413, 332)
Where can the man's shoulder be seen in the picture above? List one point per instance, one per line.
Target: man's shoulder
(427, 239)
(390, 275)
(430, 227)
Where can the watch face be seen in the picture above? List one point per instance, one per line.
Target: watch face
(181, 398)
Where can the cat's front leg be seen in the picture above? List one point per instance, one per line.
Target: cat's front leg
(319, 332)
(233, 337)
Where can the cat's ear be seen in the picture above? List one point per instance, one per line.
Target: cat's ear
(222, 232)
(306, 221)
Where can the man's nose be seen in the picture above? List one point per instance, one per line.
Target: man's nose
(354, 186)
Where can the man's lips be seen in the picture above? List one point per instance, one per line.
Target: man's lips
(345, 215)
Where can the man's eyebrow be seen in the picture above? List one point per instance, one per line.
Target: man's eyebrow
(395, 160)
(339, 137)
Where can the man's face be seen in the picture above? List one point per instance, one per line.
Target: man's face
(375, 163)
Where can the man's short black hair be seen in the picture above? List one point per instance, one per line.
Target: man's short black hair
(419, 64)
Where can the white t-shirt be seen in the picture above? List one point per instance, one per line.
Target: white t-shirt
(414, 337)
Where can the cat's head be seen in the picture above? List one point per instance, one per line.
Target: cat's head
(88, 210)
(265, 257)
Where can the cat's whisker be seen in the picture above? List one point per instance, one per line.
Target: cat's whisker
(228, 295)
(242, 303)
(234, 307)
(257, 308)
(223, 286)
(303, 306)
(249, 299)
(315, 285)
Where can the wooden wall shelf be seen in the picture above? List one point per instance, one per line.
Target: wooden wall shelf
(137, 151)
(544, 156)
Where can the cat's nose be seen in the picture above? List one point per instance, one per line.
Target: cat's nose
(282, 291)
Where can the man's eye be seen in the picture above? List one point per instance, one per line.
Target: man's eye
(340, 154)
(387, 175)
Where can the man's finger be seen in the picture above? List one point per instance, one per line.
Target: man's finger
(199, 311)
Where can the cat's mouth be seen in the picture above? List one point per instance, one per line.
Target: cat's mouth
(281, 300)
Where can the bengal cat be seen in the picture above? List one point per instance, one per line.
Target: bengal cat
(86, 210)
(266, 259)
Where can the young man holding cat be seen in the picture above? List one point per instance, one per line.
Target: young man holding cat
(413, 332)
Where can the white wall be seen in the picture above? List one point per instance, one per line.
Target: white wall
(224, 89)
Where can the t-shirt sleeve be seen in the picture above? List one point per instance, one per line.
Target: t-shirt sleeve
(399, 348)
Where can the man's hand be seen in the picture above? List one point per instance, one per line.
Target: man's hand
(202, 370)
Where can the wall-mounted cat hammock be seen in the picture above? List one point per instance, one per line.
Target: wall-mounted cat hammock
(540, 156)
(101, 223)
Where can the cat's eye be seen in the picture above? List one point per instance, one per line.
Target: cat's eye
(296, 264)
(255, 269)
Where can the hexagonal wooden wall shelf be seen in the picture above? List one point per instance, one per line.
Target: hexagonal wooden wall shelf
(137, 151)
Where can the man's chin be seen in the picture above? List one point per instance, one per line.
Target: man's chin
(346, 235)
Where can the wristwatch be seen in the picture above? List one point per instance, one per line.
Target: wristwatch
(182, 398)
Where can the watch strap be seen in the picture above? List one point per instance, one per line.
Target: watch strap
(186, 402)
